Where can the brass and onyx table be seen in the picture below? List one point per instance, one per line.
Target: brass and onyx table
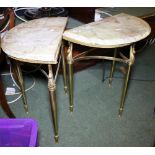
(111, 32)
(37, 41)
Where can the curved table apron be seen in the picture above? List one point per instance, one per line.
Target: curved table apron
(111, 32)
(37, 41)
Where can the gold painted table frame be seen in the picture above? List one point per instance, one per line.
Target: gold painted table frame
(17, 74)
(38, 41)
(112, 32)
(83, 56)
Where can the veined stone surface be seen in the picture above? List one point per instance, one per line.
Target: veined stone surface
(110, 32)
(36, 41)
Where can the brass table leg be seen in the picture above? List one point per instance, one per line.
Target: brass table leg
(14, 71)
(52, 93)
(64, 68)
(20, 82)
(70, 71)
(112, 67)
(124, 91)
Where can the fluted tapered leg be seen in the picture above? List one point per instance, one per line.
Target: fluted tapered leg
(52, 94)
(64, 68)
(126, 81)
(124, 91)
(112, 68)
(19, 79)
(70, 72)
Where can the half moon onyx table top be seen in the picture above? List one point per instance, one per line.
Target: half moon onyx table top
(36, 41)
(114, 31)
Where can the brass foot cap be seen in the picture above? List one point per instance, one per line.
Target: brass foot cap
(71, 108)
(110, 82)
(56, 138)
(120, 112)
(26, 109)
(65, 89)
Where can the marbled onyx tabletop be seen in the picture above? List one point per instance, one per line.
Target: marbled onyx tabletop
(110, 32)
(36, 41)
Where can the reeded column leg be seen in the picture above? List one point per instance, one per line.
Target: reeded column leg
(70, 69)
(64, 68)
(52, 93)
(112, 67)
(20, 82)
(70, 72)
(14, 72)
(125, 86)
